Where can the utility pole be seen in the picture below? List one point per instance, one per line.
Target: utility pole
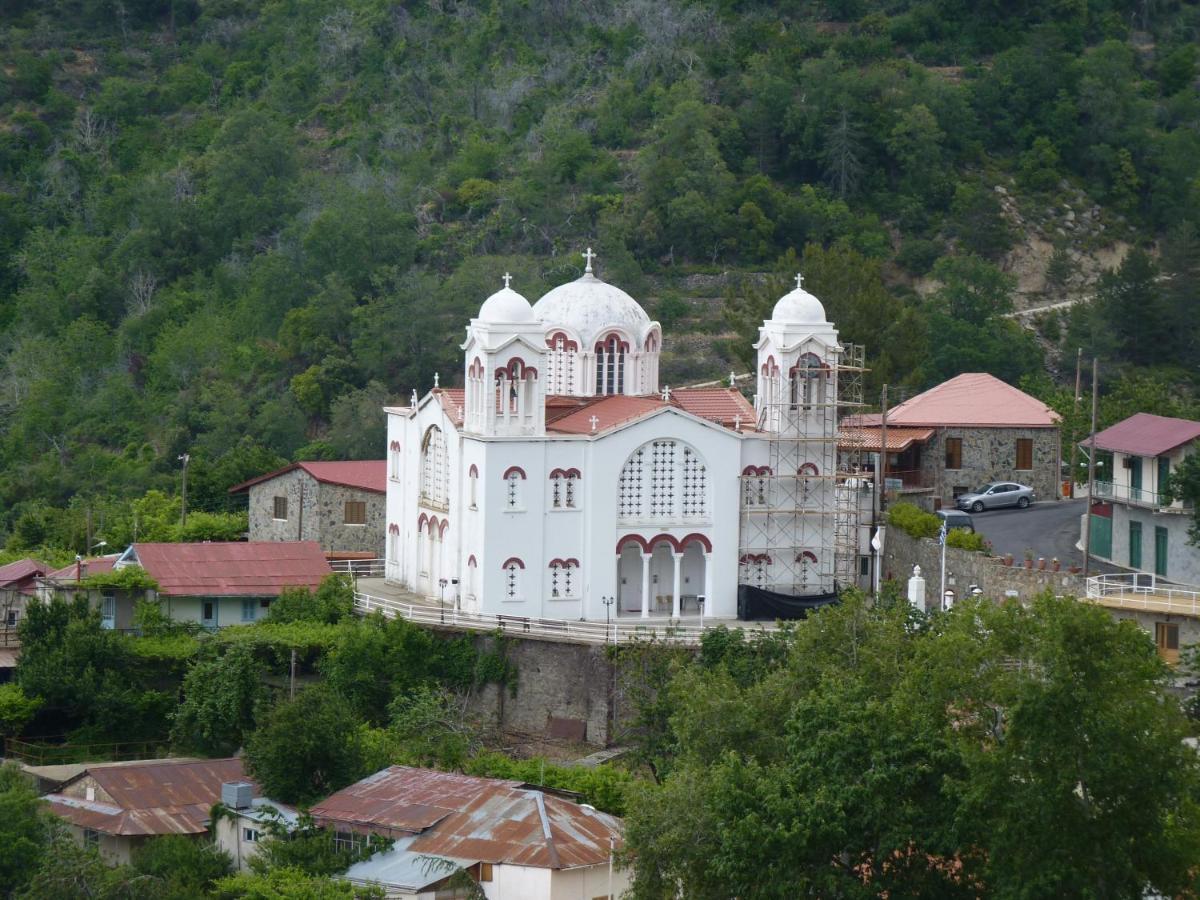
(883, 451)
(185, 458)
(292, 677)
(880, 475)
(1074, 419)
(1087, 522)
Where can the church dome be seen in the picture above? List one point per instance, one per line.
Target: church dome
(588, 306)
(506, 307)
(799, 307)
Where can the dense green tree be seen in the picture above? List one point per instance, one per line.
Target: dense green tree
(25, 828)
(330, 603)
(182, 867)
(220, 698)
(306, 748)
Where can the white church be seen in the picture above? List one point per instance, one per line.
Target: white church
(563, 482)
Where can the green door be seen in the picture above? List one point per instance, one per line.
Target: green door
(1101, 536)
(1160, 551)
(1164, 472)
(1135, 478)
(1135, 545)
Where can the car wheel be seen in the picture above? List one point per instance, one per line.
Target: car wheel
(977, 506)
(1023, 503)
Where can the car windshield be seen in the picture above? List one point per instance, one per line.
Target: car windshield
(984, 489)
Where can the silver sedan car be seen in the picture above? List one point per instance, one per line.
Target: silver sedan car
(995, 495)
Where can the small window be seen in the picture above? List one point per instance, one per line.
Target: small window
(356, 512)
(1024, 453)
(91, 838)
(251, 835)
(209, 611)
(249, 610)
(12, 618)
(485, 871)
(953, 453)
(281, 509)
(264, 603)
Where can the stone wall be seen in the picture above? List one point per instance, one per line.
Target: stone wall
(322, 517)
(990, 454)
(965, 568)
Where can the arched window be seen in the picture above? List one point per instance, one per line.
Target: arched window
(512, 487)
(394, 460)
(806, 561)
(393, 552)
(513, 568)
(564, 578)
(564, 492)
(807, 385)
(473, 487)
(610, 365)
(435, 470)
(755, 569)
(664, 479)
(561, 363)
(755, 485)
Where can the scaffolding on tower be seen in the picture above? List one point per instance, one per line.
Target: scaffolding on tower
(800, 515)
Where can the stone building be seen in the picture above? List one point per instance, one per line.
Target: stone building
(966, 432)
(340, 505)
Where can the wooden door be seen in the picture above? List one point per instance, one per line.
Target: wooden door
(1166, 637)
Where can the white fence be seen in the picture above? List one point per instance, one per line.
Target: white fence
(359, 568)
(565, 629)
(1138, 590)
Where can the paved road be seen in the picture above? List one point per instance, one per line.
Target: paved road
(1049, 528)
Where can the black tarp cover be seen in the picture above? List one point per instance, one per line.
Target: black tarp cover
(756, 604)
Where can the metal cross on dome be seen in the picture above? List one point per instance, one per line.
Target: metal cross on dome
(507, 279)
(589, 256)
(799, 280)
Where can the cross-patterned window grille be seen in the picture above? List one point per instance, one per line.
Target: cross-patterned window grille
(435, 486)
(629, 486)
(760, 570)
(610, 366)
(555, 572)
(564, 578)
(662, 478)
(695, 483)
(569, 491)
(556, 492)
(513, 490)
(512, 580)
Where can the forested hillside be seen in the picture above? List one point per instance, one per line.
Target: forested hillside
(236, 228)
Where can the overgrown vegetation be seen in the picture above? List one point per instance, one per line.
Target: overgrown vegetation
(235, 230)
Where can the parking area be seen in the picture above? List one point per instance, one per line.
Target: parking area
(1049, 528)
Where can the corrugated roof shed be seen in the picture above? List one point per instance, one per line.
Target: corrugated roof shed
(19, 575)
(233, 569)
(973, 400)
(364, 474)
(478, 819)
(1143, 434)
(93, 566)
(155, 798)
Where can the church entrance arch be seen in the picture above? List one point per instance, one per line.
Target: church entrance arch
(663, 575)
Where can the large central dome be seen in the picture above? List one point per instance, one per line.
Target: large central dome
(587, 307)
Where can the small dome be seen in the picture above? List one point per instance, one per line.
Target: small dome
(799, 307)
(506, 306)
(589, 306)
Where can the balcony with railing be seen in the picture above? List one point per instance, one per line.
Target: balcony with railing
(1145, 592)
(1120, 492)
(907, 481)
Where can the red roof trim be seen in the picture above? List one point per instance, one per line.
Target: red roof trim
(511, 470)
(512, 560)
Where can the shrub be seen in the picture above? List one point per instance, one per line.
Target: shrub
(966, 540)
(913, 520)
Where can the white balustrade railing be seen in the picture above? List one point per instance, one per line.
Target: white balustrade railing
(615, 632)
(359, 568)
(1140, 590)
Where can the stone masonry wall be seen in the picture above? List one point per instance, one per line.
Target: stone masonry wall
(965, 568)
(323, 515)
(990, 454)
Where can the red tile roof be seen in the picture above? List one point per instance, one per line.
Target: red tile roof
(153, 798)
(19, 575)
(464, 817)
(867, 439)
(246, 569)
(1143, 434)
(609, 411)
(93, 566)
(723, 405)
(975, 400)
(452, 400)
(364, 474)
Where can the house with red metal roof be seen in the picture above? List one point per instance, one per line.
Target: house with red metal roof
(339, 504)
(1133, 525)
(222, 583)
(563, 482)
(18, 584)
(963, 433)
(516, 841)
(117, 807)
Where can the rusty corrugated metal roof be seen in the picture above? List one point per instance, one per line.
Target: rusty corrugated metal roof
(464, 817)
(19, 575)
(160, 797)
(92, 566)
(232, 569)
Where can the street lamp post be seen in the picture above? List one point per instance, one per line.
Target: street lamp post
(608, 602)
(442, 599)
